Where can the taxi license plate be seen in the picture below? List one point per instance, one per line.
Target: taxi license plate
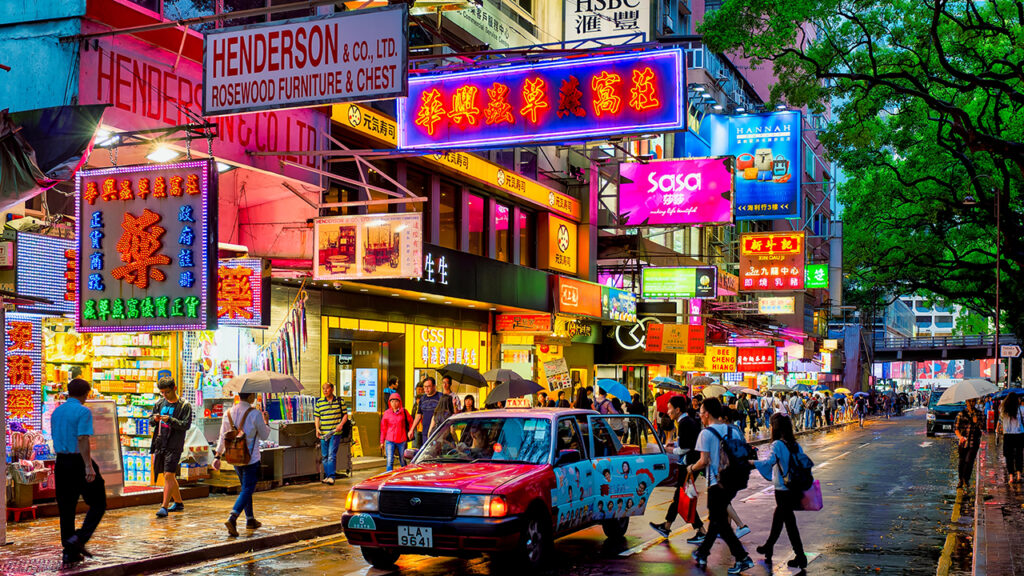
(416, 536)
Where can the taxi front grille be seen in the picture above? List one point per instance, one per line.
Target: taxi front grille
(418, 504)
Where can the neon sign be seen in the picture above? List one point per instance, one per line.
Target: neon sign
(24, 378)
(567, 100)
(145, 245)
(241, 297)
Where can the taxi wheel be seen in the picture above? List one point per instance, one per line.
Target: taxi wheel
(615, 528)
(379, 557)
(534, 542)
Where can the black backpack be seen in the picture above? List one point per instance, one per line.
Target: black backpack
(735, 454)
(798, 477)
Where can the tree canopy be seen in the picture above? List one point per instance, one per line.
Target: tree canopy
(926, 101)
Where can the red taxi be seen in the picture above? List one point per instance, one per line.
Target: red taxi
(508, 482)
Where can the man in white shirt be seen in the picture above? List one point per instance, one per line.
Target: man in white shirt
(253, 423)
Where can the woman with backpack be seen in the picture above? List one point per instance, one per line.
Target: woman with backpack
(783, 468)
(1012, 429)
(241, 430)
(394, 423)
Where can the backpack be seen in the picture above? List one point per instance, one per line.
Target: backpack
(734, 457)
(236, 447)
(798, 477)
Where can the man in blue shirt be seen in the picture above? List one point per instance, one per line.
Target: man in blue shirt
(75, 472)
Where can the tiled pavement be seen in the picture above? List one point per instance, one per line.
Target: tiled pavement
(999, 522)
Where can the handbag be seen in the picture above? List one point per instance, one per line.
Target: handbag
(236, 447)
(811, 499)
(688, 503)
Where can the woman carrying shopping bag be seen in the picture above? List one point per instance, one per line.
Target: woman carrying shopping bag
(781, 468)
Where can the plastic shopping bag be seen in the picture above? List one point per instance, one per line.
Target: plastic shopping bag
(688, 503)
(811, 500)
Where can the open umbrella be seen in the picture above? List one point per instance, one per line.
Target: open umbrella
(861, 395)
(501, 375)
(713, 391)
(463, 374)
(820, 388)
(967, 390)
(263, 382)
(780, 388)
(661, 402)
(615, 388)
(512, 389)
(802, 388)
(742, 390)
(1008, 391)
(843, 390)
(701, 381)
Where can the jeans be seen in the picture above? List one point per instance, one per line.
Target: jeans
(808, 419)
(248, 475)
(718, 523)
(967, 454)
(329, 454)
(1013, 451)
(69, 475)
(785, 503)
(390, 448)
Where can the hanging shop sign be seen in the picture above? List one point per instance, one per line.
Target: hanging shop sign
(23, 341)
(826, 361)
(618, 305)
(689, 191)
(435, 347)
(675, 338)
(147, 248)
(47, 267)
(354, 55)
(758, 359)
(558, 245)
(489, 24)
(776, 305)
(243, 292)
(715, 359)
(523, 323)
(695, 307)
(728, 283)
(830, 344)
(596, 20)
(575, 330)
(369, 246)
(767, 148)
(679, 282)
(816, 276)
(561, 101)
(578, 297)
(557, 373)
(772, 261)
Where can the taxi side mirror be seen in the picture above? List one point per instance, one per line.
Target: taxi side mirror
(409, 454)
(567, 457)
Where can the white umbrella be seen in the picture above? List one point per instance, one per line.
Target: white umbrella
(967, 390)
(713, 391)
(263, 382)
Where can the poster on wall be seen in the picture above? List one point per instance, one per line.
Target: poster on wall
(767, 148)
(23, 371)
(565, 100)
(366, 389)
(772, 261)
(689, 191)
(368, 246)
(557, 373)
(146, 247)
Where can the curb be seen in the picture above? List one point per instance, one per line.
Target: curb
(979, 567)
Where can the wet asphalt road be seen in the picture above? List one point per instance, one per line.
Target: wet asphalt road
(888, 496)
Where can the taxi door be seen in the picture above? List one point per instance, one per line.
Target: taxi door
(573, 496)
(629, 461)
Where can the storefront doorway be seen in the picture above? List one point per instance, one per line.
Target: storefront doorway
(359, 365)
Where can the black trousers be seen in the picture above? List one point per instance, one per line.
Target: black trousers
(673, 510)
(69, 476)
(785, 504)
(968, 454)
(1013, 451)
(718, 523)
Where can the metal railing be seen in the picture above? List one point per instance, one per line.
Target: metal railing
(934, 342)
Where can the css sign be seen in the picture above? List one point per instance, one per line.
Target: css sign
(432, 335)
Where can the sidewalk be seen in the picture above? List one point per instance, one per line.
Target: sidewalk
(999, 517)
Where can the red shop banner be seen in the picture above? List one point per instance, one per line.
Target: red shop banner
(759, 359)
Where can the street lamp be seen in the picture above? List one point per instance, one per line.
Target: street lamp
(970, 200)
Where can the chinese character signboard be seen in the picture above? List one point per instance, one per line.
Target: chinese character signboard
(676, 338)
(435, 347)
(681, 282)
(357, 55)
(368, 246)
(767, 150)
(715, 359)
(47, 267)
(578, 297)
(772, 261)
(592, 20)
(758, 359)
(146, 248)
(243, 292)
(816, 276)
(560, 101)
(523, 323)
(690, 191)
(557, 239)
(776, 305)
(618, 305)
(23, 339)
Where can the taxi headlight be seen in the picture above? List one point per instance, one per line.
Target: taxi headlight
(482, 505)
(931, 416)
(362, 501)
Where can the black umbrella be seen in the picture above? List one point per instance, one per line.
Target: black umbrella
(501, 375)
(464, 375)
(512, 389)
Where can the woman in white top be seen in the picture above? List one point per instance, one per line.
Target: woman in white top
(1010, 425)
(253, 423)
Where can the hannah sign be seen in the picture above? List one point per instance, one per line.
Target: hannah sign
(565, 100)
(691, 191)
(145, 245)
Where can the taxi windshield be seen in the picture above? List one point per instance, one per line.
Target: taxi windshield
(518, 440)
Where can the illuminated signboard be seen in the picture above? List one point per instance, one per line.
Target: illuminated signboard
(145, 246)
(23, 340)
(767, 148)
(523, 323)
(47, 267)
(557, 239)
(816, 276)
(772, 261)
(689, 191)
(353, 55)
(578, 297)
(681, 282)
(243, 293)
(677, 338)
(758, 359)
(715, 359)
(776, 305)
(618, 305)
(436, 347)
(368, 246)
(565, 100)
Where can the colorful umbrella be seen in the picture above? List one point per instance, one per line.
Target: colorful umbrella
(843, 390)
(615, 388)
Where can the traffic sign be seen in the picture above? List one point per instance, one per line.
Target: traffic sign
(1009, 351)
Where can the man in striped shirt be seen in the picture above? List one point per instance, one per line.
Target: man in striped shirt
(329, 416)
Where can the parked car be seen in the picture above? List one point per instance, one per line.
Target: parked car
(507, 483)
(941, 418)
